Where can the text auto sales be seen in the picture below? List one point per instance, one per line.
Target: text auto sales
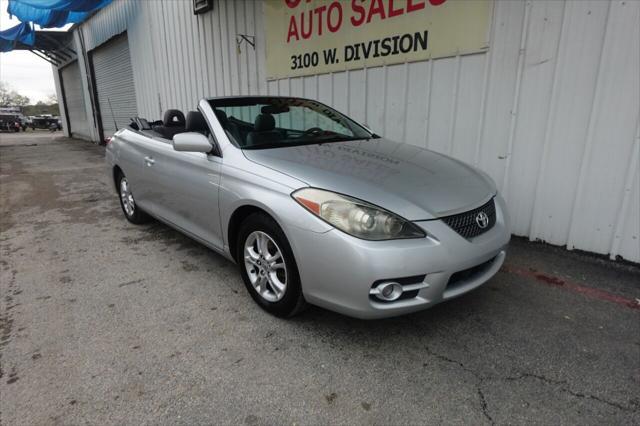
(327, 19)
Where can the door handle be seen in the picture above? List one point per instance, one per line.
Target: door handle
(149, 161)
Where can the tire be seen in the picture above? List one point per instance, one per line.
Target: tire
(127, 203)
(263, 278)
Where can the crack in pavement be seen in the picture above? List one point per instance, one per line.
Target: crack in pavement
(483, 402)
(565, 389)
(563, 385)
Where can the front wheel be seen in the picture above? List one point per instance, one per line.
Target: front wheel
(128, 203)
(268, 267)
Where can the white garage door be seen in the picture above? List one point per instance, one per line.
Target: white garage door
(74, 98)
(114, 84)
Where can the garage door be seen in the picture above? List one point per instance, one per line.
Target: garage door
(114, 84)
(74, 97)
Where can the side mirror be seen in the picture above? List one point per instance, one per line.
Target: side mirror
(191, 142)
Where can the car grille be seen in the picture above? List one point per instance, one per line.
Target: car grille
(465, 223)
(466, 275)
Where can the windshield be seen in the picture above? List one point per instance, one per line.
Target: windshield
(274, 122)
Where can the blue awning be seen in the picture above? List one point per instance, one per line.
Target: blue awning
(54, 13)
(22, 33)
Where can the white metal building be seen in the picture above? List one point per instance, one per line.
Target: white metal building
(551, 109)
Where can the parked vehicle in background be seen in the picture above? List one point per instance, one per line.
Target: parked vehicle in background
(313, 206)
(10, 123)
(47, 122)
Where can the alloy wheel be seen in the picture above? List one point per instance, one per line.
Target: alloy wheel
(126, 196)
(265, 266)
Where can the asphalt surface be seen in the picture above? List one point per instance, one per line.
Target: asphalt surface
(104, 322)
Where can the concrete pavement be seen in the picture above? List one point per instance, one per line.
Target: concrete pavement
(105, 322)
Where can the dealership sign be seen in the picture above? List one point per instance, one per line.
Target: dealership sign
(319, 36)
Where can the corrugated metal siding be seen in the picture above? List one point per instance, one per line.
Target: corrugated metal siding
(551, 111)
(75, 100)
(114, 84)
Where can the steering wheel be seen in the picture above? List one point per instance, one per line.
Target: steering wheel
(314, 131)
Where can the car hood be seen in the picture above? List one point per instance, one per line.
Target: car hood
(410, 181)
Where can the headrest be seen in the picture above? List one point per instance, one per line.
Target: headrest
(173, 118)
(264, 122)
(222, 117)
(196, 122)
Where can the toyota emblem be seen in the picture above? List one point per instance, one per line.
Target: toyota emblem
(482, 220)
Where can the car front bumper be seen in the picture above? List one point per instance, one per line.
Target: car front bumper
(338, 271)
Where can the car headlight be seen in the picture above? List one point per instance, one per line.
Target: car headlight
(356, 217)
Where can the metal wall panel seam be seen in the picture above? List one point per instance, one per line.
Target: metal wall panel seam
(186, 76)
(219, 60)
(385, 79)
(206, 51)
(163, 90)
(248, 22)
(201, 59)
(196, 50)
(485, 88)
(245, 51)
(233, 56)
(534, 225)
(168, 90)
(428, 104)
(586, 154)
(366, 95)
(516, 99)
(184, 71)
(632, 171)
(260, 50)
(348, 79)
(454, 104)
(404, 98)
(224, 39)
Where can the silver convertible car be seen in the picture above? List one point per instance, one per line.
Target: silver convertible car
(313, 207)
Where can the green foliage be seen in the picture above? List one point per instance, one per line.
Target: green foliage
(41, 108)
(9, 97)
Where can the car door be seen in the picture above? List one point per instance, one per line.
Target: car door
(136, 161)
(187, 192)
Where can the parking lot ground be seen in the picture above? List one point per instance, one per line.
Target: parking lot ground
(105, 322)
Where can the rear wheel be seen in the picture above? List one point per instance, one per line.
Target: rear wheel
(128, 204)
(268, 267)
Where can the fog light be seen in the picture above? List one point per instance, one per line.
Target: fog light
(389, 291)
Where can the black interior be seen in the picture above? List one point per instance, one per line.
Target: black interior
(195, 122)
(264, 130)
(173, 122)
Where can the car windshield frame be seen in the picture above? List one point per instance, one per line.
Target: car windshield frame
(359, 131)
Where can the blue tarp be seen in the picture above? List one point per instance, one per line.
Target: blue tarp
(54, 13)
(22, 32)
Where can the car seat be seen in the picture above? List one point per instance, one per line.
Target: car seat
(264, 131)
(173, 122)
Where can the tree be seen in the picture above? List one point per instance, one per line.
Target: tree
(52, 99)
(10, 97)
(19, 100)
(5, 96)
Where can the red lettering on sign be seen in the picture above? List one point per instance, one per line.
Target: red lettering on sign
(357, 8)
(376, 8)
(308, 23)
(319, 11)
(394, 12)
(334, 22)
(293, 29)
(412, 7)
